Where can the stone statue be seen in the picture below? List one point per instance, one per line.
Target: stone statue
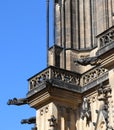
(88, 61)
(105, 112)
(52, 121)
(85, 112)
(18, 102)
(31, 120)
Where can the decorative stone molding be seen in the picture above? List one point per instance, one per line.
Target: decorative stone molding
(104, 93)
(44, 110)
(41, 112)
(54, 73)
(92, 99)
(106, 38)
(105, 41)
(93, 75)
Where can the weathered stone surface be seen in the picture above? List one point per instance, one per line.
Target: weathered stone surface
(83, 29)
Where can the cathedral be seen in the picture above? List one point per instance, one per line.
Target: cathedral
(76, 90)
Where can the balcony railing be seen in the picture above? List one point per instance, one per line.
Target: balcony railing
(73, 78)
(92, 75)
(106, 37)
(54, 73)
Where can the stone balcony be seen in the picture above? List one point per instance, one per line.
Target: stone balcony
(56, 76)
(105, 41)
(106, 48)
(93, 78)
(67, 80)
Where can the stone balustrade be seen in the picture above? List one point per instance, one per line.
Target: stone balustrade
(51, 73)
(54, 73)
(92, 75)
(106, 37)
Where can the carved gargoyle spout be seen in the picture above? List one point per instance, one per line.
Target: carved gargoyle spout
(18, 102)
(88, 61)
(31, 120)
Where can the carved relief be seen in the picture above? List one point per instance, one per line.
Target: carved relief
(104, 93)
(106, 38)
(54, 73)
(85, 109)
(66, 76)
(111, 115)
(92, 75)
(92, 98)
(44, 110)
(88, 61)
(41, 112)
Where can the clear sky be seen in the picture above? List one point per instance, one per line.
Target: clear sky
(22, 54)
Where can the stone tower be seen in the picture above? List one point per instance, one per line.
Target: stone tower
(76, 90)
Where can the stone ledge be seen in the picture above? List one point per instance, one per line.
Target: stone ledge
(66, 86)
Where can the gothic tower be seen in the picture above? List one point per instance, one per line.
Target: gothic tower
(76, 25)
(76, 90)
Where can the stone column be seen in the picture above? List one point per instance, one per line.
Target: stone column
(111, 82)
(59, 120)
(63, 23)
(87, 23)
(72, 119)
(81, 23)
(68, 23)
(112, 6)
(63, 34)
(100, 16)
(73, 23)
(94, 22)
(110, 12)
(77, 35)
(57, 24)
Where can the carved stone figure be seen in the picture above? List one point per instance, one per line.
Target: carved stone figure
(52, 121)
(88, 61)
(85, 112)
(102, 118)
(31, 120)
(18, 102)
(105, 112)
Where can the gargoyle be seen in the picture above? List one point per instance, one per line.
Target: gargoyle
(18, 102)
(31, 120)
(88, 61)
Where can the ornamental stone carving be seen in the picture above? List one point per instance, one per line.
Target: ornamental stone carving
(85, 109)
(106, 38)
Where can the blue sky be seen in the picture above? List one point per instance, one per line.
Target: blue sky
(22, 54)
